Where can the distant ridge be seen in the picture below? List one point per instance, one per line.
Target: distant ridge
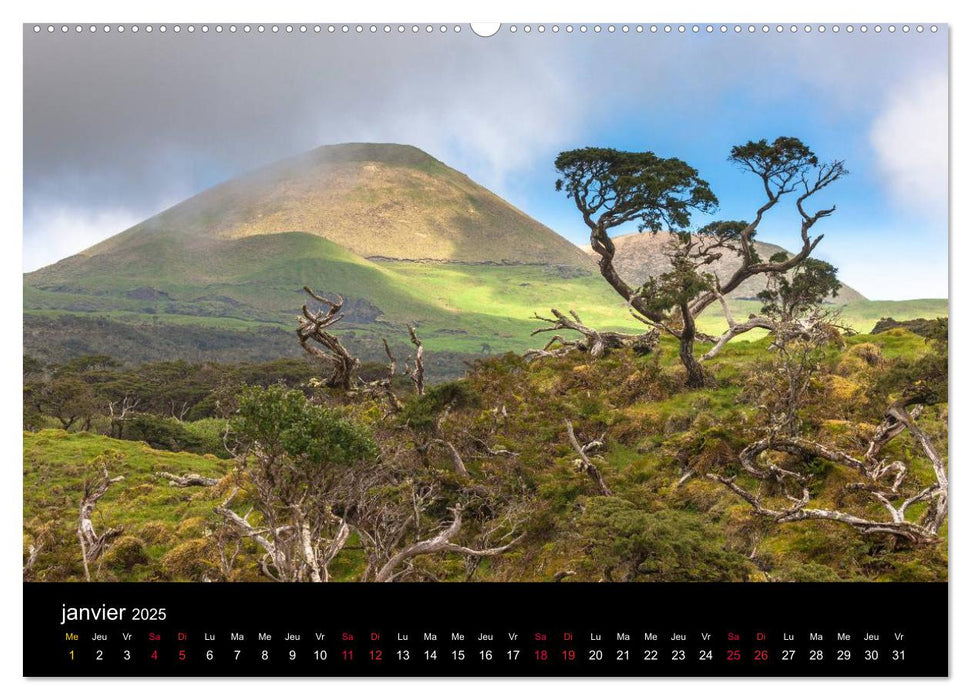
(641, 255)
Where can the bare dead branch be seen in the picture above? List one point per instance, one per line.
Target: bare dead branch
(33, 551)
(187, 479)
(383, 387)
(584, 463)
(735, 329)
(490, 451)
(595, 343)
(417, 370)
(93, 544)
(455, 455)
(273, 555)
(119, 412)
(442, 542)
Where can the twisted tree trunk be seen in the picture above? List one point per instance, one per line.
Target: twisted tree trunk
(686, 350)
(93, 544)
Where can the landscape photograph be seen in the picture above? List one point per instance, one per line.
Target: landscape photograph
(326, 303)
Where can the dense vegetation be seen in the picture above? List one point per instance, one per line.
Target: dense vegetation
(506, 419)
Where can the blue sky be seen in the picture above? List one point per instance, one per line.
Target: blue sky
(117, 128)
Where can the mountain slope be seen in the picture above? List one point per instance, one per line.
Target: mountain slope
(219, 277)
(401, 236)
(641, 255)
(233, 300)
(376, 200)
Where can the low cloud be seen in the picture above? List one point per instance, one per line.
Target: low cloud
(118, 126)
(910, 139)
(62, 231)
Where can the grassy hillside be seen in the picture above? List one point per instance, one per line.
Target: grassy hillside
(860, 315)
(235, 313)
(56, 465)
(255, 285)
(383, 200)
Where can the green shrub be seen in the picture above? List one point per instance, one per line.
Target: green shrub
(161, 433)
(630, 544)
(192, 527)
(283, 421)
(155, 532)
(810, 572)
(421, 413)
(208, 433)
(125, 553)
(868, 352)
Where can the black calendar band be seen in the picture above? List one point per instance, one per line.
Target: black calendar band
(485, 629)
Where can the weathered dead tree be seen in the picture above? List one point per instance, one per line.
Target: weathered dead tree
(613, 188)
(497, 533)
(273, 562)
(383, 387)
(93, 545)
(593, 342)
(584, 463)
(391, 517)
(416, 371)
(119, 412)
(187, 479)
(881, 480)
(319, 343)
(441, 542)
(33, 551)
(784, 492)
(300, 550)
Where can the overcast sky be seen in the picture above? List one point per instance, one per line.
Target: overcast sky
(120, 126)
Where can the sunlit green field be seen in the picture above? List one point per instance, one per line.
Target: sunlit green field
(256, 284)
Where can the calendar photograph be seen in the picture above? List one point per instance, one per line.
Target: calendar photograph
(415, 304)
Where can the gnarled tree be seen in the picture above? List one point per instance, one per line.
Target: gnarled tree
(776, 481)
(613, 188)
(318, 342)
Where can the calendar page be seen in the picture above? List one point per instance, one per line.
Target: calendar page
(542, 349)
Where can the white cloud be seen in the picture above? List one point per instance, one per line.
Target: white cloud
(61, 231)
(910, 138)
